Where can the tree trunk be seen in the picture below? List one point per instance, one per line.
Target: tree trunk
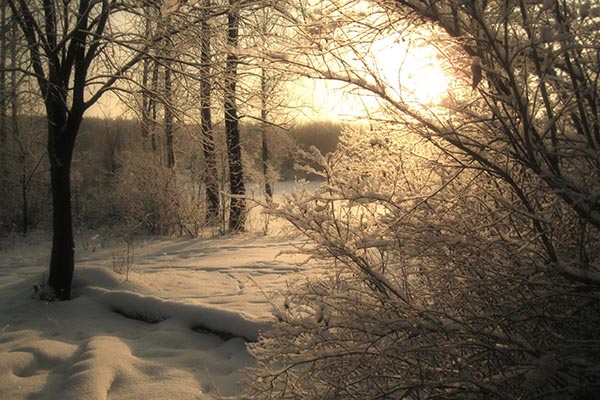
(61, 141)
(15, 130)
(3, 89)
(237, 207)
(208, 144)
(25, 201)
(169, 117)
(145, 123)
(152, 105)
(264, 114)
(146, 93)
(62, 261)
(210, 160)
(265, 165)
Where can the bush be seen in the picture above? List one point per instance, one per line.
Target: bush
(154, 199)
(434, 287)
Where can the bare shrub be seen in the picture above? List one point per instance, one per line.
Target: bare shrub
(122, 258)
(151, 197)
(436, 286)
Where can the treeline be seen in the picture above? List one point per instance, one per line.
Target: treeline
(119, 180)
(324, 135)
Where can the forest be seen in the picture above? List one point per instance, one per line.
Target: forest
(450, 247)
(108, 151)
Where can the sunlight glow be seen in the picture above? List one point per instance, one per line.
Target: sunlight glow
(420, 78)
(411, 70)
(410, 74)
(360, 42)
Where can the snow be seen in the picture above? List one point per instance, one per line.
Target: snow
(176, 328)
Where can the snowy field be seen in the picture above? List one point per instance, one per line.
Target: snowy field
(174, 327)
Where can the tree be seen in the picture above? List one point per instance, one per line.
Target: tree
(272, 97)
(264, 113)
(168, 104)
(237, 207)
(551, 74)
(4, 38)
(534, 108)
(149, 82)
(66, 42)
(208, 142)
(156, 86)
(540, 94)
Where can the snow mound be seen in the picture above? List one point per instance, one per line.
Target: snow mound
(106, 368)
(196, 316)
(191, 306)
(46, 353)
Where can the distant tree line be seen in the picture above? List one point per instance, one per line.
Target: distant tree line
(111, 173)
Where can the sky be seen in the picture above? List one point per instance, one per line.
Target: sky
(317, 100)
(410, 68)
(324, 100)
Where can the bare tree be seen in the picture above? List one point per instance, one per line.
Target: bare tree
(264, 92)
(264, 114)
(149, 81)
(206, 125)
(66, 41)
(237, 208)
(271, 92)
(539, 101)
(4, 38)
(169, 104)
(535, 106)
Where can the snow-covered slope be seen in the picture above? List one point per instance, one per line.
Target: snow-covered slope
(176, 329)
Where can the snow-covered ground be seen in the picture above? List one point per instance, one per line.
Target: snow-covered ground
(174, 329)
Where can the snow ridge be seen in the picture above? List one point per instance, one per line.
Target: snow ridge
(195, 316)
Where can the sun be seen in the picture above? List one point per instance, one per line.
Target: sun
(414, 73)
(411, 76)
(393, 65)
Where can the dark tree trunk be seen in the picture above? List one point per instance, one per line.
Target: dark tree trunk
(237, 207)
(62, 261)
(152, 105)
(16, 133)
(264, 114)
(208, 144)
(146, 123)
(3, 87)
(265, 165)
(169, 117)
(61, 141)
(25, 205)
(210, 174)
